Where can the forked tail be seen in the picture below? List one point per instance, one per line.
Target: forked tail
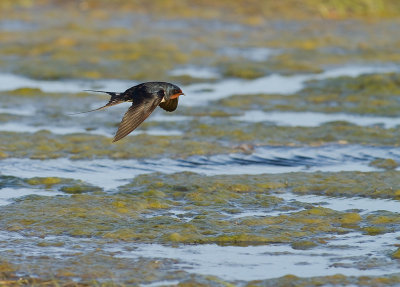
(115, 100)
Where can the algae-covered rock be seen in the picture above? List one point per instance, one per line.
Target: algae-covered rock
(387, 164)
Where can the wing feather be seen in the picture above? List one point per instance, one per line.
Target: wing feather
(135, 115)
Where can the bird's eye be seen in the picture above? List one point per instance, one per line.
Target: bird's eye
(161, 93)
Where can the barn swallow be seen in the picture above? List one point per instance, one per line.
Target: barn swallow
(145, 98)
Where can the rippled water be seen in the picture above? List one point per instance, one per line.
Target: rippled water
(271, 261)
(233, 262)
(109, 173)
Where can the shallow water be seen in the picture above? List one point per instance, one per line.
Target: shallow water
(19, 112)
(313, 119)
(8, 194)
(272, 84)
(232, 262)
(25, 128)
(365, 205)
(110, 174)
(271, 261)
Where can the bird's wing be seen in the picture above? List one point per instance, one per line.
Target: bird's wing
(135, 115)
(170, 105)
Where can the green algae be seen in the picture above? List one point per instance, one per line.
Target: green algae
(97, 216)
(332, 280)
(254, 13)
(56, 59)
(348, 184)
(373, 230)
(63, 184)
(267, 134)
(387, 164)
(304, 245)
(143, 210)
(382, 222)
(93, 268)
(396, 254)
(47, 181)
(27, 92)
(350, 219)
(154, 47)
(243, 70)
(289, 64)
(68, 186)
(44, 145)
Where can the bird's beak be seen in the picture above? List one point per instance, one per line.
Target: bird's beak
(174, 96)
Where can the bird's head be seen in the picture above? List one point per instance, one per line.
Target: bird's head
(172, 92)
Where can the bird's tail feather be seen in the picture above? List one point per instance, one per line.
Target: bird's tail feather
(97, 91)
(115, 100)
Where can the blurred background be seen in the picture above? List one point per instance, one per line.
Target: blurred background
(139, 40)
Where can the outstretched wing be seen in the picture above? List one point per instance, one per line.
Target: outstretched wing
(170, 105)
(139, 111)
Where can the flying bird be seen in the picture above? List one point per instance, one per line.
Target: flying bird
(145, 98)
